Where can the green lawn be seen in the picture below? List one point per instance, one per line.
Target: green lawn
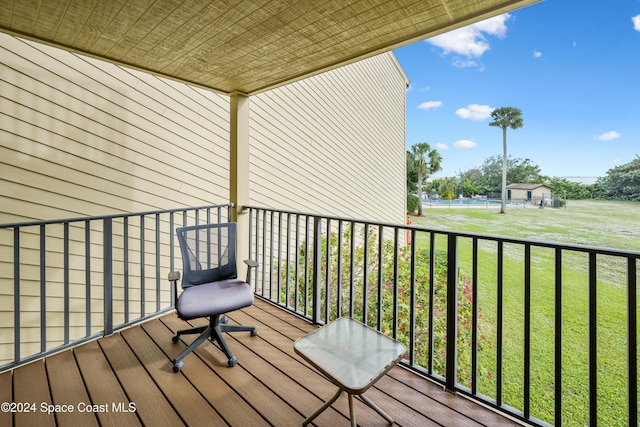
(592, 223)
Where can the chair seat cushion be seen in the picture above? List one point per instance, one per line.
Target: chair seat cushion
(209, 299)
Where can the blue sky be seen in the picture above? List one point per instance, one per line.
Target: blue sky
(572, 67)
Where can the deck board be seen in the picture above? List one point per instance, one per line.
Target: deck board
(185, 399)
(137, 384)
(271, 385)
(6, 419)
(30, 386)
(102, 385)
(64, 375)
(213, 389)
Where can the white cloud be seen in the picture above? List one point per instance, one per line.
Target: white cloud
(470, 41)
(430, 105)
(616, 160)
(636, 22)
(466, 63)
(608, 136)
(441, 146)
(465, 143)
(475, 112)
(537, 54)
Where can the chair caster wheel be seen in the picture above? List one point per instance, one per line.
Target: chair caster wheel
(254, 332)
(177, 367)
(224, 320)
(175, 338)
(233, 362)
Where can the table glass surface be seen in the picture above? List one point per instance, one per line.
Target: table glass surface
(350, 353)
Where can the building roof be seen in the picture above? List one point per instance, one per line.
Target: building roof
(245, 46)
(525, 186)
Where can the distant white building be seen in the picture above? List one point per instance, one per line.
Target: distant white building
(586, 180)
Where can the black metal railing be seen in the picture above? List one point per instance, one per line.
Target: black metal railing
(546, 332)
(63, 282)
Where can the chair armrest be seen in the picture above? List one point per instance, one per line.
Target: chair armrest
(252, 264)
(174, 276)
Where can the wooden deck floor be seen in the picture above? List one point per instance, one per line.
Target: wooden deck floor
(127, 379)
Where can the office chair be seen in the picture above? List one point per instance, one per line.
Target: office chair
(210, 285)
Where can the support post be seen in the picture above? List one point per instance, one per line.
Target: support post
(239, 172)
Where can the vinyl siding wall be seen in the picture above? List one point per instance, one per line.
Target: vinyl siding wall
(333, 143)
(82, 137)
(85, 137)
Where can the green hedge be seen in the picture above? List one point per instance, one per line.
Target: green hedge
(413, 203)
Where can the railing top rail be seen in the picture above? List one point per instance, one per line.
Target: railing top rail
(490, 237)
(111, 216)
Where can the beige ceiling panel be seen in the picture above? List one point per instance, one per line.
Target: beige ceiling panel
(244, 45)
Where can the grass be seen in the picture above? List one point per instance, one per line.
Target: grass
(592, 223)
(586, 222)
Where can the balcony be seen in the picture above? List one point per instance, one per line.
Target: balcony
(75, 280)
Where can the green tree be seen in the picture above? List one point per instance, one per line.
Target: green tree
(523, 171)
(572, 190)
(471, 182)
(505, 117)
(623, 182)
(412, 175)
(445, 187)
(425, 162)
(486, 178)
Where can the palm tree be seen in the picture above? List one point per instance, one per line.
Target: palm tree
(505, 117)
(424, 166)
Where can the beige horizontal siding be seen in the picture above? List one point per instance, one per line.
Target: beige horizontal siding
(81, 137)
(333, 143)
(107, 138)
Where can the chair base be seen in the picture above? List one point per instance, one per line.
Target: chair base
(213, 332)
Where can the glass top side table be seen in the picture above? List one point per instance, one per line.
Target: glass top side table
(351, 355)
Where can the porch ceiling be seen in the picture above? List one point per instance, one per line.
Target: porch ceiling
(239, 46)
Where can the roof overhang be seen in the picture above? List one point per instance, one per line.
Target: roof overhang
(239, 46)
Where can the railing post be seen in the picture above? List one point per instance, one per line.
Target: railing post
(43, 288)
(632, 340)
(67, 280)
(158, 262)
(452, 312)
(16, 295)
(108, 276)
(317, 269)
(593, 340)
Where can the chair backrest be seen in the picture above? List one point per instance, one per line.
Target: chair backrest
(208, 253)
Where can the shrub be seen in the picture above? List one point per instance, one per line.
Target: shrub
(396, 296)
(413, 203)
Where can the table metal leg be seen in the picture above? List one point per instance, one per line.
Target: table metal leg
(352, 412)
(376, 408)
(323, 407)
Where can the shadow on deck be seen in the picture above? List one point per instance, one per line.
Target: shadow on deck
(127, 379)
